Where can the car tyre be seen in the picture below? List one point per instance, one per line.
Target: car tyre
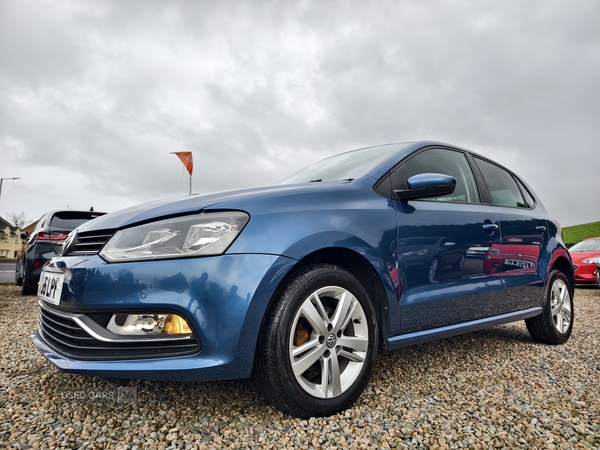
(460, 264)
(555, 324)
(318, 343)
(29, 286)
(18, 277)
(431, 273)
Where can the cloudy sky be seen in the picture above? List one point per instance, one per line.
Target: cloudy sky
(94, 95)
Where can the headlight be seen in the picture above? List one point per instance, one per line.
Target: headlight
(595, 260)
(198, 235)
(421, 252)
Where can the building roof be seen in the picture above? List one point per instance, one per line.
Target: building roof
(5, 224)
(29, 228)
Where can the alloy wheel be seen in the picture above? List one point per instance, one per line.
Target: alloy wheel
(560, 306)
(329, 341)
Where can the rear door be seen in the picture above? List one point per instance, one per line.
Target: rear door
(517, 256)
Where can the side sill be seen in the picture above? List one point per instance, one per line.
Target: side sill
(418, 337)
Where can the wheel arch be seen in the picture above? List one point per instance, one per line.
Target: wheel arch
(563, 263)
(362, 265)
(364, 271)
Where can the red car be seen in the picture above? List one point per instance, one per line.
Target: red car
(586, 255)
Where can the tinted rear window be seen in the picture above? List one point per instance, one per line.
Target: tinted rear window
(70, 220)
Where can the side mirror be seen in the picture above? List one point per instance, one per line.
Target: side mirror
(24, 235)
(426, 185)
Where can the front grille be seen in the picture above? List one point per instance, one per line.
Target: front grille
(73, 335)
(87, 242)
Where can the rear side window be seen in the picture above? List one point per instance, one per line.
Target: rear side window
(446, 162)
(70, 220)
(502, 186)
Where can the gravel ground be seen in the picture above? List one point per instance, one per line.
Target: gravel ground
(490, 389)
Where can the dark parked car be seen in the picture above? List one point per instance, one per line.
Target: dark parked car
(45, 242)
(300, 283)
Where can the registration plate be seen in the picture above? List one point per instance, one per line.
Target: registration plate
(527, 265)
(50, 287)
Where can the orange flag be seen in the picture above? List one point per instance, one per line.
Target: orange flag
(186, 159)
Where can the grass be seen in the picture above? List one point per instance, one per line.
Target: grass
(577, 233)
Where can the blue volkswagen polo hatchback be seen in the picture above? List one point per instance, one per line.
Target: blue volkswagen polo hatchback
(301, 282)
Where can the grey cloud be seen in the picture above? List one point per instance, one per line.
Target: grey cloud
(256, 89)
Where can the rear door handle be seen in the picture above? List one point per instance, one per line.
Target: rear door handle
(541, 229)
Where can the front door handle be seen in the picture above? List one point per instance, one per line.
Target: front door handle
(541, 229)
(490, 227)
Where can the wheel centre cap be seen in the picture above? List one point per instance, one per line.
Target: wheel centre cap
(331, 341)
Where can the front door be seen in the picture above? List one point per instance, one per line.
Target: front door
(441, 247)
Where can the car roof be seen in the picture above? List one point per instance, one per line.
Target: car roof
(411, 147)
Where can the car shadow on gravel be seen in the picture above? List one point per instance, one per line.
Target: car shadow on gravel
(403, 367)
(211, 397)
(586, 287)
(471, 349)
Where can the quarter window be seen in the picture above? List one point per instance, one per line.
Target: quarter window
(528, 198)
(502, 186)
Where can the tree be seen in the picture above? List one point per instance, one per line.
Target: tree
(19, 220)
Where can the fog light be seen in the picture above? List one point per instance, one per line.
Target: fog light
(176, 325)
(148, 324)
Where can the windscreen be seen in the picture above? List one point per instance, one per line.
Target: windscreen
(345, 166)
(586, 246)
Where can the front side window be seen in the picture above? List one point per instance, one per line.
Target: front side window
(502, 186)
(445, 162)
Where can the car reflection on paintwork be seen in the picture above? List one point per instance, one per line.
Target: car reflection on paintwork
(422, 258)
(476, 251)
(513, 254)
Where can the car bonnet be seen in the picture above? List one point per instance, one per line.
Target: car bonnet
(190, 204)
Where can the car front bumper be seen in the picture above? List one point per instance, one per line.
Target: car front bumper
(585, 273)
(223, 299)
